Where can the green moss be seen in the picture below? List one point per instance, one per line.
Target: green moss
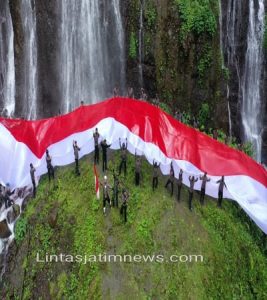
(234, 258)
(133, 46)
(196, 17)
(20, 229)
(150, 16)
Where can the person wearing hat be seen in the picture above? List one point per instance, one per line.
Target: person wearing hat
(106, 198)
(123, 210)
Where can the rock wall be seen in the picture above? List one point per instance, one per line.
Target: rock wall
(182, 58)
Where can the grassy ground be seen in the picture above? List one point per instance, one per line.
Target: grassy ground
(234, 265)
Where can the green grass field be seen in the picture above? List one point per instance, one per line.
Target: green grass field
(234, 265)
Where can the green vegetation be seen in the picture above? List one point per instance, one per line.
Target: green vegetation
(150, 15)
(234, 265)
(133, 46)
(203, 115)
(204, 63)
(196, 17)
(20, 229)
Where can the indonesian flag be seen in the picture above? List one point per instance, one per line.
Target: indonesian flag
(150, 131)
(96, 183)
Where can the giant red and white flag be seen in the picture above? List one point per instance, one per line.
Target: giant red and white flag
(150, 131)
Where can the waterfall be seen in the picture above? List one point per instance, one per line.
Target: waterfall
(140, 43)
(251, 80)
(245, 61)
(29, 95)
(92, 58)
(223, 67)
(7, 65)
(229, 111)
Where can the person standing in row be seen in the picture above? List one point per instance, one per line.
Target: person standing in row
(123, 210)
(96, 142)
(138, 164)
(104, 147)
(192, 181)
(155, 179)
(220, 192)
(106, 189)
(116, 187)
(116, 91)
(50, 168)
(130, 92)
(204, 179)
(171, 179)
(179, 184)
(123, 163)
(32, 171)
(76, 150)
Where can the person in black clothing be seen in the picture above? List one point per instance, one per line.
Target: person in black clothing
(123, 165)
(155, 179)
(179, 184)
(192, 181)
(115, 198)
(76, 150)
(123, 210)
(138, 164)
(96, 142)
(106, 198)
(50, 168)
(170, 179)
(104, 147)
(204, 179)
(220, 192)
(32, 171)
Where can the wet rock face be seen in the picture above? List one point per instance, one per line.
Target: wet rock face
(47, 26)
(4, 230)
(13, 213)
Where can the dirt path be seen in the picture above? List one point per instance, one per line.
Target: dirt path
(114, 277)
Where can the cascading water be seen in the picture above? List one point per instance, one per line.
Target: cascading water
(223, 67)
(29, 95)
(251, 79)
(140, 43)
(92, 58)
(245, 62)
(7, 64)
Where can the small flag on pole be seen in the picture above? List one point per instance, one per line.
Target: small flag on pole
(96, 183)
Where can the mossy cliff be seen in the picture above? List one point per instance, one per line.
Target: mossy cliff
(182, 60)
